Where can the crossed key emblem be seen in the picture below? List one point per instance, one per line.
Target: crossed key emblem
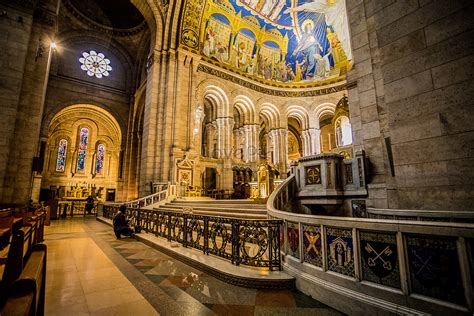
(379, 256)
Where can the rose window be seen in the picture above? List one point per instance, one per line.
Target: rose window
(95, 64)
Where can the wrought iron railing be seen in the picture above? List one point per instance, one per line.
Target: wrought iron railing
(249, 242)
(424, 265)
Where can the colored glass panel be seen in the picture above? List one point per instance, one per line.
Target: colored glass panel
(81, 155)
(95, 64)
(61, 158)
(99, 163)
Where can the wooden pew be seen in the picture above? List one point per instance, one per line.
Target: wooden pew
(6, 223)
(22, 287)
(27, 293)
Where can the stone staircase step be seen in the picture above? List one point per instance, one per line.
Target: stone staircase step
(213, 209)
(220, 206)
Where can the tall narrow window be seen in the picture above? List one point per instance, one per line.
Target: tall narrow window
(99, 163)
(61, 159)
(81, 155)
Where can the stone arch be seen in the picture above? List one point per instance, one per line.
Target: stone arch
(90, 37)
(300, 114)
(219, 100)
(271, 114)
(155, 25)
(322, 110)
(246, 109)
(103, 128)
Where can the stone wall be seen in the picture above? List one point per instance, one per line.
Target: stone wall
(411, 89)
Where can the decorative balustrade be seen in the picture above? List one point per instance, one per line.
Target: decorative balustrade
(153, 198)
(248, 242)
(397, 266)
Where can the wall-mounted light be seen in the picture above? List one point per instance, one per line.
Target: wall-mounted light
(53, 45)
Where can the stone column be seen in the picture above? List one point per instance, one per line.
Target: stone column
(306, 142)
(149, 154)
(314, 146)
(225, 150)
(253, 145)
(26, 60)
(279, 138)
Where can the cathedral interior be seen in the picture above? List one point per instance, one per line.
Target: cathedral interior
(295, 157)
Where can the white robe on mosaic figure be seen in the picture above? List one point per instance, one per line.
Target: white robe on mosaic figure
(335, 15)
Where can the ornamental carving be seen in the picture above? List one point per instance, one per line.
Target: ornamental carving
(261, 89)
(313, 175)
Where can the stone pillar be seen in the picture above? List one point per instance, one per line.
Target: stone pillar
(314, 135)
(224, 137)
(306, 142)
(148, 164)
(252, 145)
(225, 150)
(279, 138)
(28, 54)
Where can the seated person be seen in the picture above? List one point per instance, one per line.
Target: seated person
(121, 224)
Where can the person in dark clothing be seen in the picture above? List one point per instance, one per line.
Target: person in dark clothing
(121, 224)
(89, 204)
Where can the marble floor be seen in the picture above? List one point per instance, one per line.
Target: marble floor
(90, 272)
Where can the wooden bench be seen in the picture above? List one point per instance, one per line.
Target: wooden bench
(22, 286)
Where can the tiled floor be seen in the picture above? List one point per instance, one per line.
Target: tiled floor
(90, 272)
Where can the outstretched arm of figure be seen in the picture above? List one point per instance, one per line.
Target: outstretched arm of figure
(319, 6)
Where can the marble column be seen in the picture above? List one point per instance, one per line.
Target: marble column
(311, 141)
(225, 150)
(279, 138)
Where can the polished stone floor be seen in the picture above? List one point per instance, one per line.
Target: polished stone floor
(90, 272)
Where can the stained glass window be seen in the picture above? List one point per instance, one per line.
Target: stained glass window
(99, 163)
(81, 155)
(61, 159)
(95, 64)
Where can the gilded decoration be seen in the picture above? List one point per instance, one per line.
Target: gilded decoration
(313, 175)
(274, 92)
(289, 42)
(434, 268)
(340, 250)
(380, 258)
(312, 245)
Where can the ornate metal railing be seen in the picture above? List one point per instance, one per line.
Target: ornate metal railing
(248, 242)
(404, 266)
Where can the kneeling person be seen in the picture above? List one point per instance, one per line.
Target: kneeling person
(121, 224)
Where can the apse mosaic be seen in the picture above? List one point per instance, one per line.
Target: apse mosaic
(312, 245)
(293, 239)
(434, 268)
(380, 258)
(340, 250)
(277, 41)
